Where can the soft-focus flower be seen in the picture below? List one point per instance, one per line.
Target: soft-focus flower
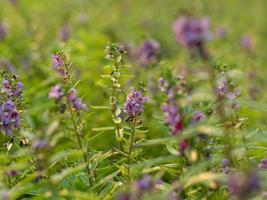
(9, 117)
(191, 32)
(124, 196)
(246, 42)
(64, 33)
(144, 183)
(244, 186)
(198, 116)
(74, 100)
(12, 173)
(18, 89)
(173, 118)
(134, 103)
(56, 93)
(225, 166)
(148, 52)
(263, 164)
(183, 146)
(222, 89)
(7, 65)
(163, 84)
(14, 2)
(221, 32)
(6, 87)
(39, 144)
(58, 64)
(225, 163)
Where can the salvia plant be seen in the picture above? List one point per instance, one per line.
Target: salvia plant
(171, 113)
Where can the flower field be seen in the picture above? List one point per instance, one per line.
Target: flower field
(133, 100)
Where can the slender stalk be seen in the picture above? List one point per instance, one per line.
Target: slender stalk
(246, 143)
(115, 105)
(131, 147)
(219, 107)
(79, 140)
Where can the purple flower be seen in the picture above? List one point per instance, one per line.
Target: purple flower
(246, 42)
(263, 164)
(244, 186)
(6, 87)
(12, 173)
(14, 2)
(191, 32)
(148, 52)
(183, 146)
(8, 90)
(9, 117)
(64, 33)
(40, 144)
(225, 166)
(56, 93)
(198, 116)
(18, 89)
(222, 89)
(134, 103)
(163, 84)
(144, 183)
(225, 163)
(6, 84)
(57, 64)
(124, 196)
(221, 32)
(7, 65)
(173, 118)
(74, 100)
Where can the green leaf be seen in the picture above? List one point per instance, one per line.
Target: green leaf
(103, 128)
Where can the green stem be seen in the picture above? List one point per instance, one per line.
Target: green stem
(246, 143)
(131, 147)
(78, 136)
(219, 107)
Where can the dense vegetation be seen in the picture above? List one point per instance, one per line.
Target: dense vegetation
(127, 100)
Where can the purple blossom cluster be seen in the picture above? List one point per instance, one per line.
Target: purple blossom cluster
(197, 116)
(246, 42)
(244, 186)
(173, 116)
(58, 64)
(57, 94)
(148, 52)
(134, 103)
(225, 166)
(191, 32)
(64, 33)
(40, 144)
(9, 117)
(263, 164)
(144, 183)
(140, 188)
(10, 90)
(74, 100)
(227, 90)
